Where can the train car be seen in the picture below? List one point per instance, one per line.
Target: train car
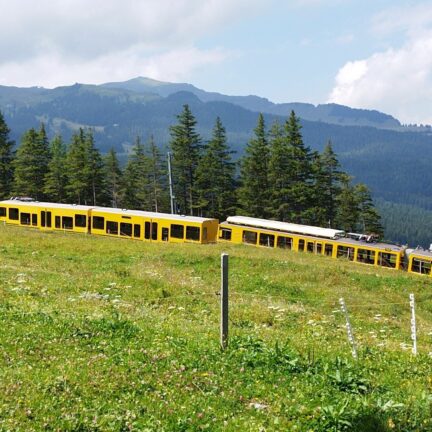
(151, 226)
(419, 261)
(322, 241)
(45, 216)
(108, 221)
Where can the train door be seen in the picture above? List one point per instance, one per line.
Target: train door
(46, 219)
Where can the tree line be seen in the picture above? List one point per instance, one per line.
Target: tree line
(278, 177)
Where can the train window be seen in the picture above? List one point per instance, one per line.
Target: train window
(48, 219)
(387, 259)
(25, 218)
(318, 248)
(112, 227)
(57, 222)
(67, 222)
(192, 233)
(147, 230)
(13, 213)
(310, 247)
(267, 240)
(301, 245)
(126, 217)
(137, 230)
(345, 252)
(249, 237)
(420, 266)
(98, 222)
(154, 230)
(126, 229)
(2, 211)
(328, 249)
(34, 219)
(80, 220)
(177, 231)
(164, 234)
(225, 234)
(284, 242)
(43, 218)
(366, 256)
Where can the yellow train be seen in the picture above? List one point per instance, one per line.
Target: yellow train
(133, 224)
(160, 227)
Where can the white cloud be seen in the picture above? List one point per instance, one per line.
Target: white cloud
(52, 43)
(398, 80)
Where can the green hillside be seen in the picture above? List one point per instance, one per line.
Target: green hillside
(106, 334)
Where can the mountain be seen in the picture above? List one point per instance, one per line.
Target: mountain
(392, 160)
(327, 113)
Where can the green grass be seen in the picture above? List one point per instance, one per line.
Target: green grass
(104, 334)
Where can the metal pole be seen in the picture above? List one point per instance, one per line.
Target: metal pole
(172, 198)
(349, 328)
(413, 324)
(224, 301)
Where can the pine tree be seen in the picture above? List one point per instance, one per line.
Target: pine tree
(55, 178)
(6, 159)
(136, 183)
(185, 145)
(254, 193)
(94, 172)
(299, 181)
(215, 177)
(347, 213)
(158, 179)
(369, 219)
(31, 164)
(113, 179)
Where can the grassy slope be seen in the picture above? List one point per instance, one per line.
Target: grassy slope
(107, 334)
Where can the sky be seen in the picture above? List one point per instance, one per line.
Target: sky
(373, 54)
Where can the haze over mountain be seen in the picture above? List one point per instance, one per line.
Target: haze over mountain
(374, 147)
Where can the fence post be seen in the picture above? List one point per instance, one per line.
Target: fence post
(224, 301)
(413, 324)
(350, 334)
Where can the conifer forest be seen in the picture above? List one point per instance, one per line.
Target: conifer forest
(278, 177)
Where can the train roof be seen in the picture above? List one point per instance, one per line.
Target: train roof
(286, 227)
(154, 215)
(39, 204)
(420, 252)
(125, 212)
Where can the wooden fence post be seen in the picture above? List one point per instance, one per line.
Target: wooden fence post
(224, 301)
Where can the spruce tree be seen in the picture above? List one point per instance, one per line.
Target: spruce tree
(369, 220)
(326, 187)
(76, 162)
(84, 170)
(215, 177)
(299, 181)
(55, 178)
(136, 183)
(31, 164)
(113, 179)
(347, 213)
(185, 145)
(6, 158)
(279, 174)
(158, 179)
(254, 193)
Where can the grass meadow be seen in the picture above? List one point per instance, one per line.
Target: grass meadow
(102, 334)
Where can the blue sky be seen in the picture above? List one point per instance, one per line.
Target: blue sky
(366, 54)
